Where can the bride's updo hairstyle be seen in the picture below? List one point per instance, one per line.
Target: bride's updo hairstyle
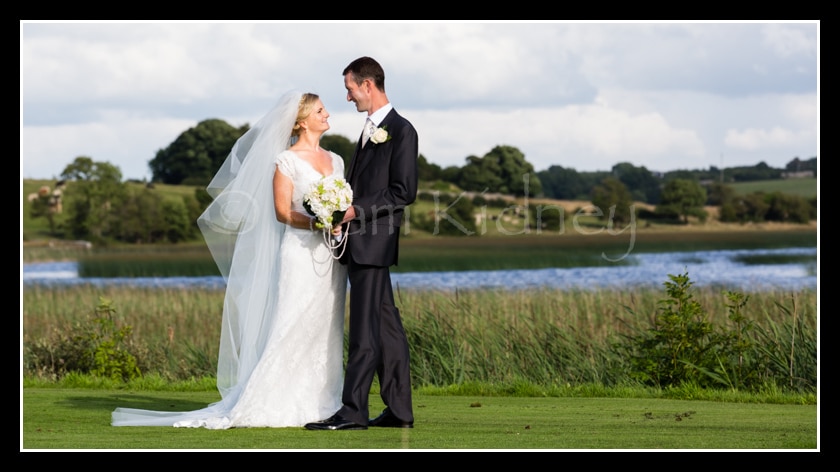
(307, 101)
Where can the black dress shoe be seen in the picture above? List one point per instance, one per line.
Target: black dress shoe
(387, 420)
(334, 422)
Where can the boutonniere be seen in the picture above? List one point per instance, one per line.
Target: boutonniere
(380, 135)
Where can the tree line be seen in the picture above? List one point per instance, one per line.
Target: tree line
(100, 207)
(195, 156)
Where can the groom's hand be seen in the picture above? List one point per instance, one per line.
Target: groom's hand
(349, 215)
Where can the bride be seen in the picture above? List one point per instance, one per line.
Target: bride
(282, 336)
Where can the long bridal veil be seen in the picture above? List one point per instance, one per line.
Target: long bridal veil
(243, 235)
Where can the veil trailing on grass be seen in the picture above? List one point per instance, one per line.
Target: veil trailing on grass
(243, 235)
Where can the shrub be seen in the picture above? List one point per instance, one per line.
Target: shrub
(680, 341)
(96, 346)
(682, 348)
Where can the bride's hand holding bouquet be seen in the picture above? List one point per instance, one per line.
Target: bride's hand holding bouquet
(327, 200)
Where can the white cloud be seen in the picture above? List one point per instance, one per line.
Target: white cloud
(563, 136)
(787, 41)
(126, 143)
(581, 95)
(755, 139)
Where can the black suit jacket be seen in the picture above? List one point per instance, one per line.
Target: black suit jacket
(384, 181)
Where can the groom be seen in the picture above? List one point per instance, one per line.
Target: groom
(383, 175)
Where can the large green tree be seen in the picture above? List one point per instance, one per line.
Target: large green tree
(642, 184)
(46, 204)
(452, 216)
(613, 201)
(568, 184)
(142, 217)
(195, 156)
(148, 217)
(685, 198)
(751, 207)
(787, 208)
(502, 170)
(339, 145)
(427, 171)
(719, 194)
(96, 192)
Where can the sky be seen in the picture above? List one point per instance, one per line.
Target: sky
(580, 95)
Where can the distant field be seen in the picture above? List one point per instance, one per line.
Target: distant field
(38, 228)
(807, 188)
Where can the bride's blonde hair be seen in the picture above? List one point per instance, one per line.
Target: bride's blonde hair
(307, 102)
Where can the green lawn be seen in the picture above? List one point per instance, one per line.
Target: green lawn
(61, 419)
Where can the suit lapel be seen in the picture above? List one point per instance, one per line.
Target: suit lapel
(362, 156)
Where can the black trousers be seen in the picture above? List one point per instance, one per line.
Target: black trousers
(377, 344)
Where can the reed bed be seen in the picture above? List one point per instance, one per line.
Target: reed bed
(527, 251)
(543, 336)
(51, 251)
(556, 338)
(176, 316)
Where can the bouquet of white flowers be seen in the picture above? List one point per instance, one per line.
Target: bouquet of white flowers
(327, 200)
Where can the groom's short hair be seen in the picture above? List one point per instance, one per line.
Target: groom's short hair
(366, 68)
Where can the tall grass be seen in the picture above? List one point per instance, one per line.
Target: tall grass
(551, 338)
(181, 261)
(51, 251)
(174, 316)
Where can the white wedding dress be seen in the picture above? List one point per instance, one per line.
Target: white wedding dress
(297, 358)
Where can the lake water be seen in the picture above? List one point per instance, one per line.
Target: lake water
(704, 268)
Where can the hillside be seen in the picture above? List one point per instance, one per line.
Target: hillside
(36, 230)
